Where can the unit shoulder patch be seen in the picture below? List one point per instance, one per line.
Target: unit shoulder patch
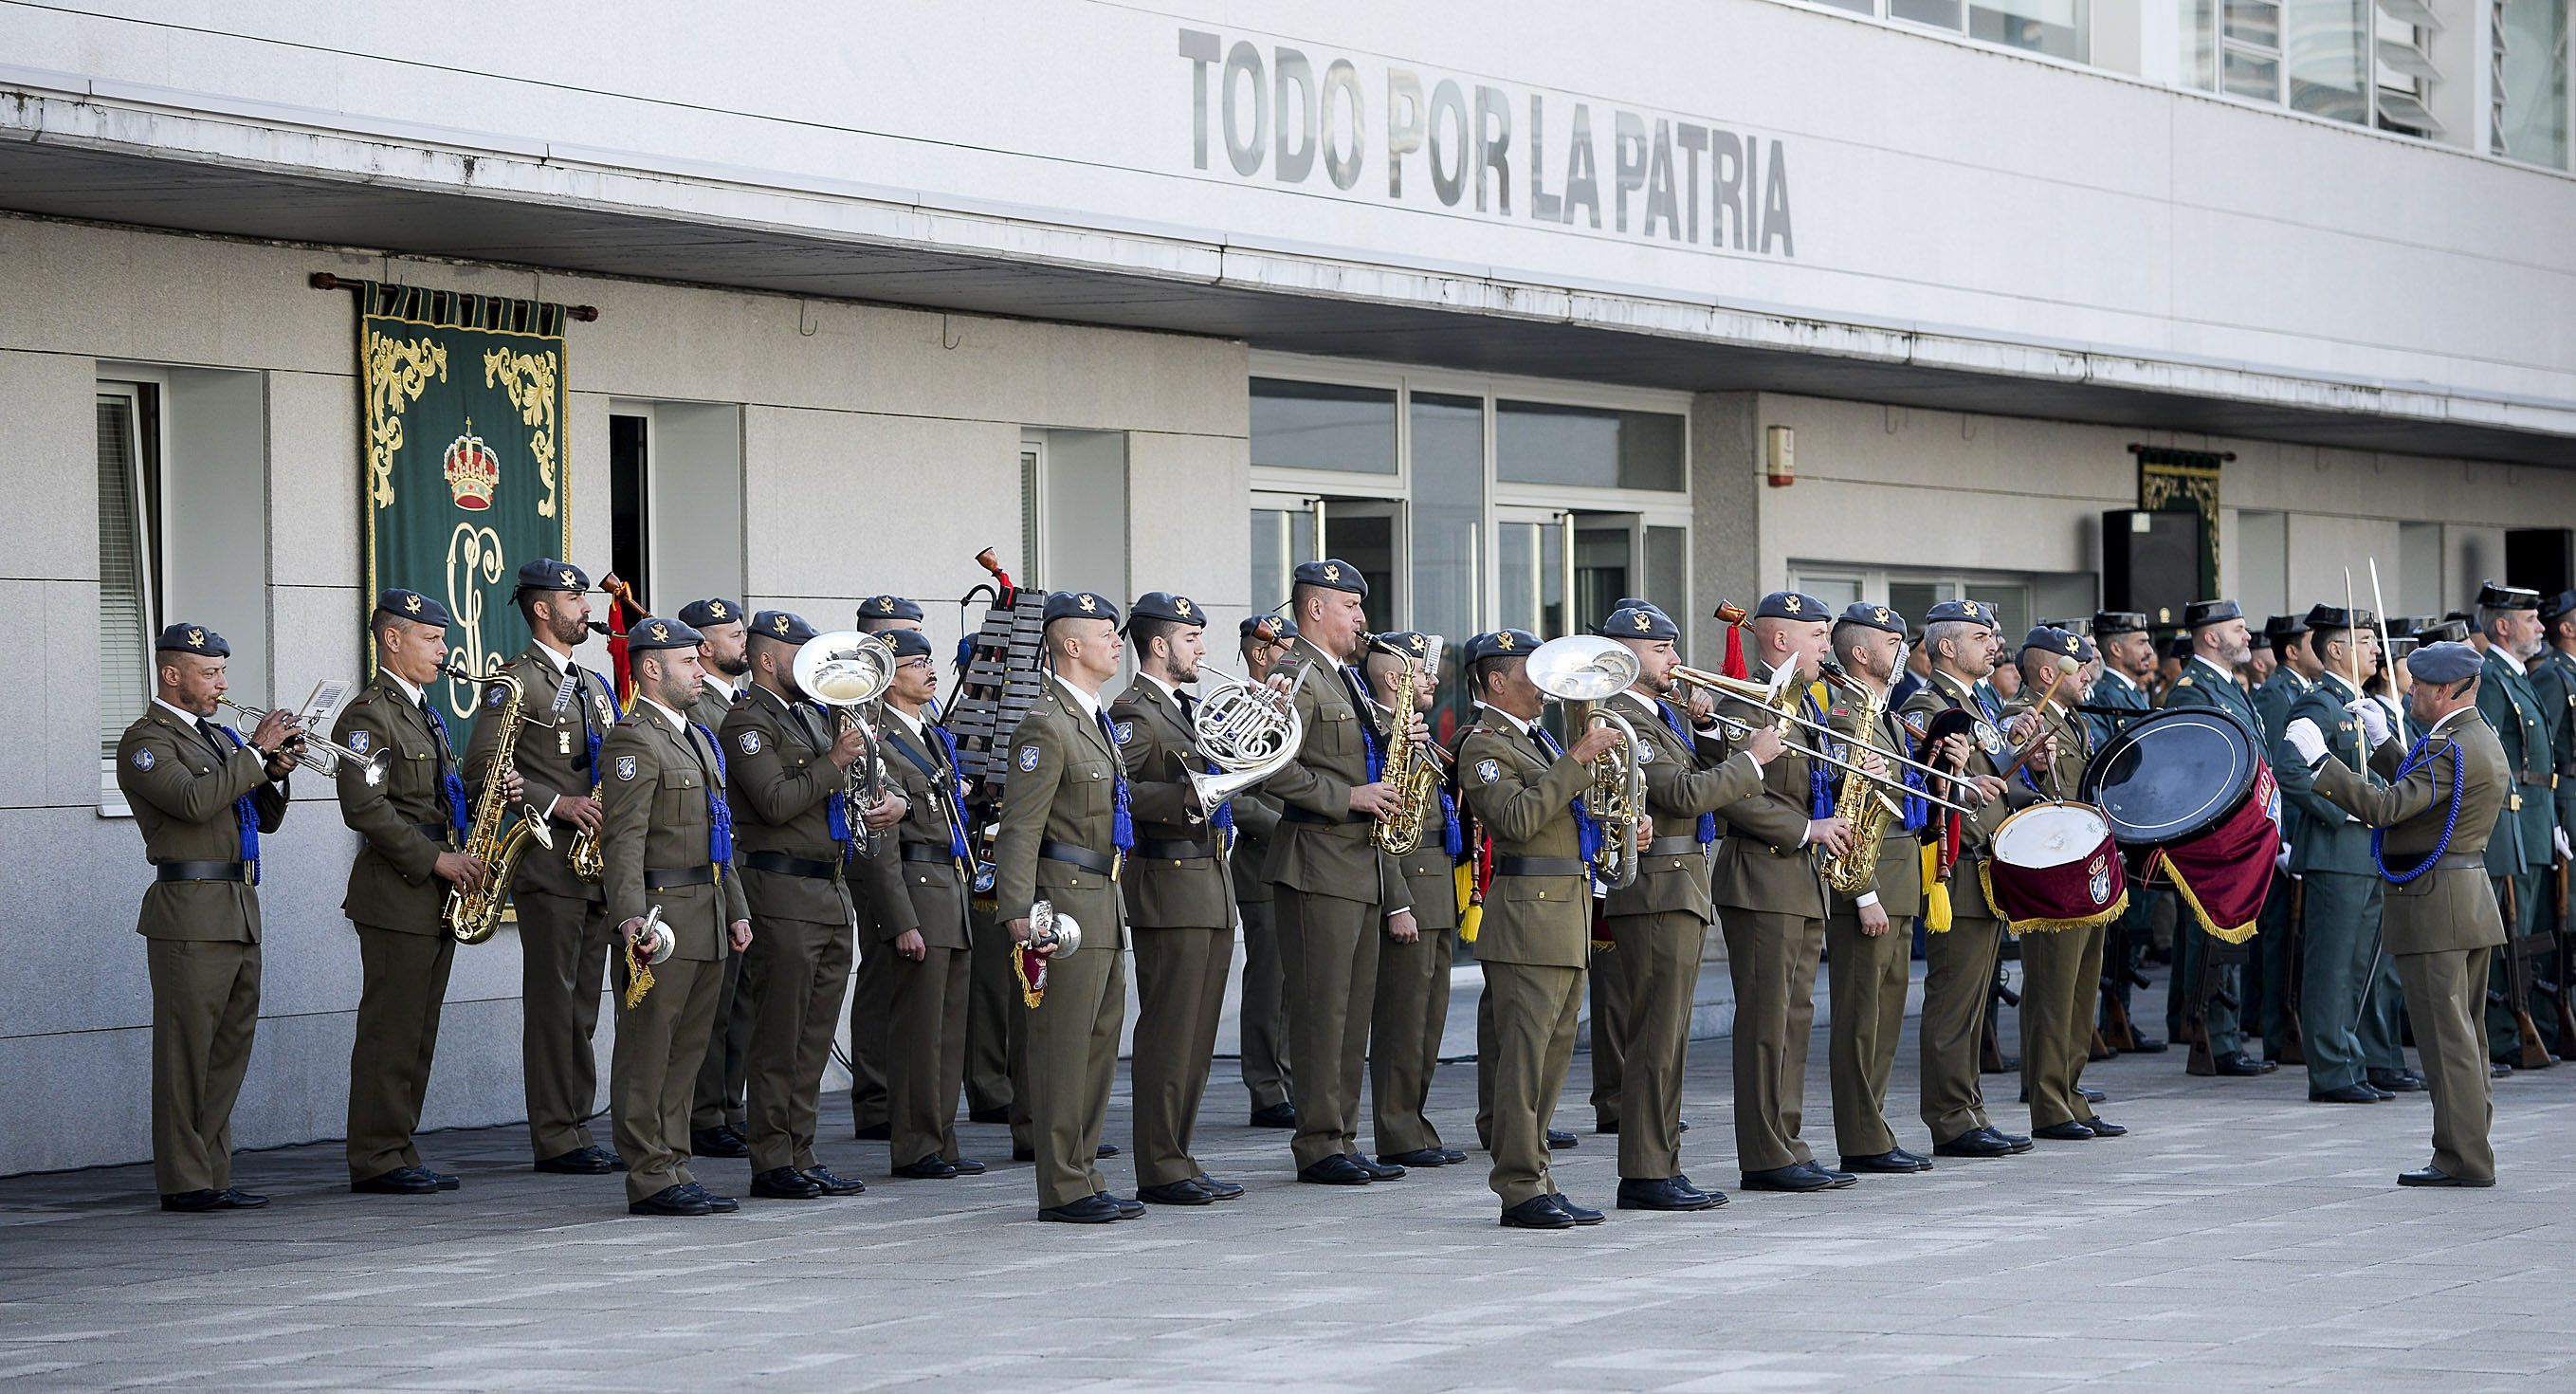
(1487, 771)
(625, 767)
(143, 758)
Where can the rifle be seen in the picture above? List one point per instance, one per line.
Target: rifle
(1990, 1051)
(2293, 1047)
(2529, 1051)
(2216, 955)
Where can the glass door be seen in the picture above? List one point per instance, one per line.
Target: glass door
(1288, 529)
(1533, 570)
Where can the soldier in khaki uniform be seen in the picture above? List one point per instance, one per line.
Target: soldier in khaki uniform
(669, 843)
(718, 1125)
(2061, 968)
(1959, 962)
(1869, 936)
(202, 795)
(1067, 825)
(564, 933)
(411, 826)
(1659, 923)
(1180, 899)
(1338, 897)
(2442, 923)
(928, 927)
(1520, 788)
(1262, 1013)
(1412, 999)
(788, 777)
(872, 999)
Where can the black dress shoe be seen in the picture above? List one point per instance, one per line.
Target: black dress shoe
(879, 1132)
(671, 1200)
(193, 1202)
(2091, 1094)
(1105, 1150)
(401, 1181)
(718, 1142)
(2068, 1131)
(2396, 1081)
(1377, 1170)
(721, 1205)
(2241, 1065)
(2435, 1176)
(2496, 1069)
(1837, 1180)
(988, 1115)
(1090, 1210)
(1451, 1156)
(1557, 1140)
(1883, 1164)
(1916, 1159)
(1606, 1126)
(1419, 1157)
(1669, 1193)
(1538, 1212)
(1218, 1190)
(2383, 1095)
(2347, 1094)
(445, 1181)
(931, 1168)
(835, 1185)
(1577, 1213)
(967, 1166)
(1793, 1179)
(1685, 1125)
(784, 1183)
(580, 1161)
(1174, 1193)
(2146, 1045)
(1024, 1154)
(1127, 1209)
(1975, 1142)
(2104, 1127)
(1335, 1171)
(2013, 1142)
(1275, 1116)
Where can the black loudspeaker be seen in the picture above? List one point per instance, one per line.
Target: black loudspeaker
(2540, 559)
(2151, 562)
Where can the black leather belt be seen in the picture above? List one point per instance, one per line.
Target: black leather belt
(2544, 781)
(1083, 857)
(663, 878)
(1291, 813)
(1544, 866)
(782, 864)
(1175, 851)
(437, 832)
(924, 852)
(1673, 847)
(202, 871)
(2461, 861)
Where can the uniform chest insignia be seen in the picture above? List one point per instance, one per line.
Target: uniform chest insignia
(1028, 757)
(1126, 732)
(1645, 754)
(625, 767)
(360, 740)
(750, 742)
(1487, 771)
(600, 705)
(143, 759)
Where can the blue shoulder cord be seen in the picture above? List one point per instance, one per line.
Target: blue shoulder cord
(719, 811)
(245, 813)
(2450, 821)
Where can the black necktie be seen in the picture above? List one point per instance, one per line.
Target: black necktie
(206, 729)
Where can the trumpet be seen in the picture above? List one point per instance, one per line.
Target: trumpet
(1775, 699)
(323, 756)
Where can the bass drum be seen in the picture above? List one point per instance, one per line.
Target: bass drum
(2173, 776)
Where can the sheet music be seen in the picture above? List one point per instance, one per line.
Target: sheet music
(323, 707)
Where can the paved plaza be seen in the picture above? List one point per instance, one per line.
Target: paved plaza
(2240, 1239)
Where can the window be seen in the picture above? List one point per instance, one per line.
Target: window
(129, 528)
(1548, 443)
(2531, 81)
(1448, 511)
(2402, 64)
(2361, 61)
(675, 500)
(1323, 426)
(1914, 593)
(1032, 516)
(629, 506)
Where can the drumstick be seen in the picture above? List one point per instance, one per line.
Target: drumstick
(2056, 674)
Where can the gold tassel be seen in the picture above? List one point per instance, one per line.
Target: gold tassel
(2019, 927)
(2237, 935)
(1472, 917)
(639, 979)
(1936, 892)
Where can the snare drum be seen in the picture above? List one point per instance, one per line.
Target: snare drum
(2055, 866)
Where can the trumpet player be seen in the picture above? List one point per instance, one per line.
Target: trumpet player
(411, 829)
(718, 1125)
(787, 785)
(1659, 923)
(667, 844)
(1180, 899)
(202, 795)
(1412, 1000)
(564, 933)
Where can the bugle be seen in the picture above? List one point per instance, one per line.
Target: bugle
(322, 756)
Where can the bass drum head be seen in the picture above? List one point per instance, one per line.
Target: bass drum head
(2172, 775)
(2050, 834)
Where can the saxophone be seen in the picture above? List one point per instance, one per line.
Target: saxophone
(1852, 870)
(1415, 780)
(473, 916)
(583, 855)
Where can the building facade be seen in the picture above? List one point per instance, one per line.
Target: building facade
(1519, 314)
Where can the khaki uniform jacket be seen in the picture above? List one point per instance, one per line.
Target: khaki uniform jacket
(1256, 823)
(657, 819)
(552, 757)
(1944, 693)
(1062, 788)
(1524, 802)
(716, 701)
(2329, 838)
(1334, 856)
(932, 896)
(780, 787)
(182, 794)
(1430, 877)
(391, 884)
(1897, 877)
(1680, 786)
(2446, 908)
(1764, 864)
(2065, 769)
(1167, 892)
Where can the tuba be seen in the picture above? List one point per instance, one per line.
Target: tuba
(845, 670)
(1410, 771)
(1586, 670)
(473, 916)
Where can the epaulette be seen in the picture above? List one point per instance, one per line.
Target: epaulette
(2183, 681)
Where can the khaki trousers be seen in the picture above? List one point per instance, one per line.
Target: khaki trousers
(1068, 1062)
(1264, 1009)
(1534, 1014)
(563, 969)
(1411, 1008)
(1657, 963)
(993, 1012)
(653, 1068)
(795, 973)
(926, 1054)
(1608, 986)
(1180, 994)
(1958, 977)
(1773, 961)
(2061, 972)
(719, 1097)
(1866, 975)
(2445, 995)
(870, 1004)
(404, 984)
(205, 1007)
(1329, 947)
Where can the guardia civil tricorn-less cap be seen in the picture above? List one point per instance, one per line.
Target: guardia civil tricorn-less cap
(2557, 605)
(706, 612)
(785, 626)
(1163, 605)
(1641, 622)
(1870, 616)
(2285, 627)
(2207, 612)
(648, 635)
(2107, 623)
(2493, 595)
(1080, 605)
(192, 638)
(548, 574)
(1332, 573)
(2336, 617)
(412, 606)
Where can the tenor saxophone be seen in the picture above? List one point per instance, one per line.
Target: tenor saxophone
(1853, 869)
(473, 916)
(1415, 780)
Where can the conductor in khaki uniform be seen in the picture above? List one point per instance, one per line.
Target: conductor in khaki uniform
(202, 795)
(1412, 999)
(1659, 923)
(787, 782)
(1338, 896)
(928, 929)
(2442, 921)
(1520, 787)
(564, 933)
(717, 1123)
(1180, 899)
(1067, 825)
(411, 826)
(668, 844)
(1869, 935)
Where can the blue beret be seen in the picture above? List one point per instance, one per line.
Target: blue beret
(784, 626)
(1792, 605)
(2109, 622)
(1640, 622)
(2447, 662)
(2206, 612)
(548, 574)
(908, 643)
(703, 612)
(889, 607)
(2494, 595)
(1280, 626)
(1631, 602)
(1501, 643)
(1867, 615)
(1163, 605)
(1401, 643)
(2050, 640)
(193, 638)
(1332, 574)
(1080, 605)
(649, 634)
(412, 606)
(1961, 612)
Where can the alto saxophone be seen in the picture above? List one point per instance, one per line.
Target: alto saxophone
(583, 855)
(1416, 781)
(1853, 869)
(473, 916)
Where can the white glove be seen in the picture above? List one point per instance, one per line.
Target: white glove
(2281, 860)
(2305, 738)
(2372, 716)
(2560, 835)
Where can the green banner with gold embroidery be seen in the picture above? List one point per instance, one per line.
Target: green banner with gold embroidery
(2186, 479)
(464, 476)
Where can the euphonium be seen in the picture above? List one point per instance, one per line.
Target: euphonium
(1415, 779)
(1862, 799)
(1581, 668)
(473, 916)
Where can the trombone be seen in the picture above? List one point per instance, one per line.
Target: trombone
(1762, 695)
(323, 756)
